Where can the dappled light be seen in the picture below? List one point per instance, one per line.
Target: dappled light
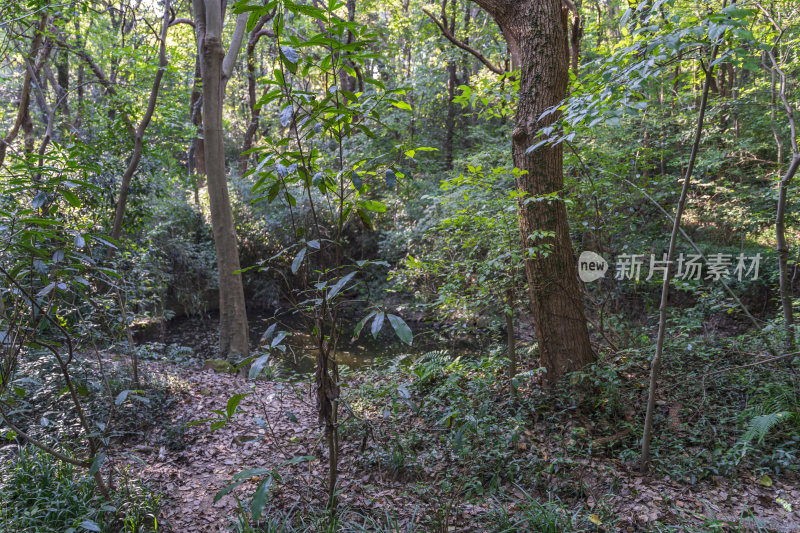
(402, 266)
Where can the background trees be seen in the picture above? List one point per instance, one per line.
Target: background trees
(331, 167)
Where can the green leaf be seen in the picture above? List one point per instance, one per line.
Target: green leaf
(402, 105)
(360, 325)
(377, 324)
(286, 115)
(299, 459)
(340, 284)
(121, 397)
(260, 498)
(90, 525)
(290, 54)
(39, 200)
(233, 403)
(278, 338)
(96, 464)
(401, 328)
(298, 260)
(238, 479)
(71, 198)
(373, 205)
(258, 366)
(363, 214)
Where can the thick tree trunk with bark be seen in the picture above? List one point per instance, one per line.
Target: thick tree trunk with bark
(536, 34)
(216, 67)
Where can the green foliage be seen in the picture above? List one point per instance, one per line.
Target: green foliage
(469, 261)
(780, 409)
(39, 493)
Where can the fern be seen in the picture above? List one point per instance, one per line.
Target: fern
(780, 408)
(431, 365)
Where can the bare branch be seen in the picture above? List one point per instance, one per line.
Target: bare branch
(175, 22)
(101, 77)
(464, 46)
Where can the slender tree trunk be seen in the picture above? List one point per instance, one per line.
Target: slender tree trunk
(511, 341)
(655, 364)
(536, 34)
(79, 106)
(450, 120)
(216, 67)
(255, 111)
(780, 227)
(138, 138)
(23, 114)
(782, 248)
(575, 37)
(195, 157)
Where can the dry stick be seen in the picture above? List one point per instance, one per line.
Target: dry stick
(662, 313)
(39, 444)
(763, 361)
(727, 287)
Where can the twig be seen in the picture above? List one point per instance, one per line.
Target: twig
(763, 361)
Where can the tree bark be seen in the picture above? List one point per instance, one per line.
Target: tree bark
(216, 67)
(536, 35)
(195, 156)
(510, 339)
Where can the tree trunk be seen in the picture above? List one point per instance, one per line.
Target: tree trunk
(255, 111)
(536, 34)
(23, 114)
(450, 121)
(511, 341)
(138, 137)
(216, 67)
(195, 156)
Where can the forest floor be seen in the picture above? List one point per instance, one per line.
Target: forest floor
(276, 429)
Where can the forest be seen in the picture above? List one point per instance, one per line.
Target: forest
(399, 266)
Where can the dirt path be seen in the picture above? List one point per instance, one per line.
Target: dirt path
(191, 477)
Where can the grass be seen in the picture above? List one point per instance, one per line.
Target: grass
(40, 494)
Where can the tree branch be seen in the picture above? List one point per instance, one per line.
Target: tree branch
(464, 46)
(138, 145)
(98, 73)
(25, 94)
(236, 43)
(175, 22)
